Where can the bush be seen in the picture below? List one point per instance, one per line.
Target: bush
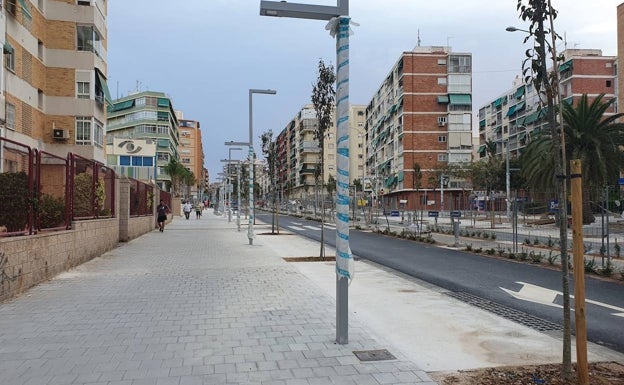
(617, 248)
(14, 196)
(536, 241)
(479, 250)
(490, 251)
(535, 257)
(590, 265)
(608, 269)
(493, 235)
(469, 248)
(550, 242)
(552, 258)
(51, 211)
(527, 241)
(523, 256)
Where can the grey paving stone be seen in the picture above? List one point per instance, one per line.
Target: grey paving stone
(193, 305)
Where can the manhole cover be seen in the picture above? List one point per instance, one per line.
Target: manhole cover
(374, 355)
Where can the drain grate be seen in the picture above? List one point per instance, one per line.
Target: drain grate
(374, 355)
(506, 312)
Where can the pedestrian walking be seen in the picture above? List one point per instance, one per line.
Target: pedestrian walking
(161, 211)
(198, 209)
(187, 208)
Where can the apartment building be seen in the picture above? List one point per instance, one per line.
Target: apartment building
(145, 115)
(511, 118)
(191, 150)
(54, 91)
(420, 117)
(299, 153)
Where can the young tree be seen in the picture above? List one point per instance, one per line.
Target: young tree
(538, 13)
(323, 99)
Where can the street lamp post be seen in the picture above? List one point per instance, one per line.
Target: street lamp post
(339, 27)
(229, 189)
(252, 213)
(505, 142)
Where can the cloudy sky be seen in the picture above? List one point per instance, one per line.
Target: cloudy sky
(207, 54)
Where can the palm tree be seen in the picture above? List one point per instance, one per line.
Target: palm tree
(176, 172)
(597, 140)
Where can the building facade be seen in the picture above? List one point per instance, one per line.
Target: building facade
(299, 153)
(192, 152)
(145, 115)
(418, 124)
(54, 76)
(511, 118)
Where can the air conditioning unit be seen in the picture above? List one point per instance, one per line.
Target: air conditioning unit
(441, 123)
(60, 133)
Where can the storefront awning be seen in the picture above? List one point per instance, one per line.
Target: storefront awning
(7, 48)
(460, 99)
(512, 110)
(104, 86)
(25, 10)
(481, 149)
(122, 106)
(519, 92)
(565, 66)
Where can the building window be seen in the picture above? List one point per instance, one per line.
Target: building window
(88, 39)
(40, 50)
(84, 2)
(460, 64)
(441, 81)
(442, 139)
(442, 121)
(40, 99)
(11, 7)
(83, 90)
(609, 83)
(10, 116)
(442, 62)
(9, 59)
(83, 130)
(442, 157)
(98, 133)
(124, 160)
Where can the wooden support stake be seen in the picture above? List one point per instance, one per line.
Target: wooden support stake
(579, 272)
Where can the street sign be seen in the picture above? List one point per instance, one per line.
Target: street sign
(621, 181)
(553, 206)
(433, 214)
(395, 213)
(455, 214)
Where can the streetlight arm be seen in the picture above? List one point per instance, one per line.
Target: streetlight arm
(303, 11)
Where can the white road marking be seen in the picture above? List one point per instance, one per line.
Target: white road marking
(296, 228)
(545, 296)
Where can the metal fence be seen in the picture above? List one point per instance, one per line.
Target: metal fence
(17, 186)
(93, 189)
(41, 191)
(53, 199)
(141, 198)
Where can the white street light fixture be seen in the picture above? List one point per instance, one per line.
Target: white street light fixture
(303, 11)
(338, 27)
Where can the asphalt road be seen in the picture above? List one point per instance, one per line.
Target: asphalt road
(484, 277)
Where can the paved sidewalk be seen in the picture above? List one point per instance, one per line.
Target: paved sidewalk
(192, 305)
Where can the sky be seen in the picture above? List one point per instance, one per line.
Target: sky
(207, 54)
